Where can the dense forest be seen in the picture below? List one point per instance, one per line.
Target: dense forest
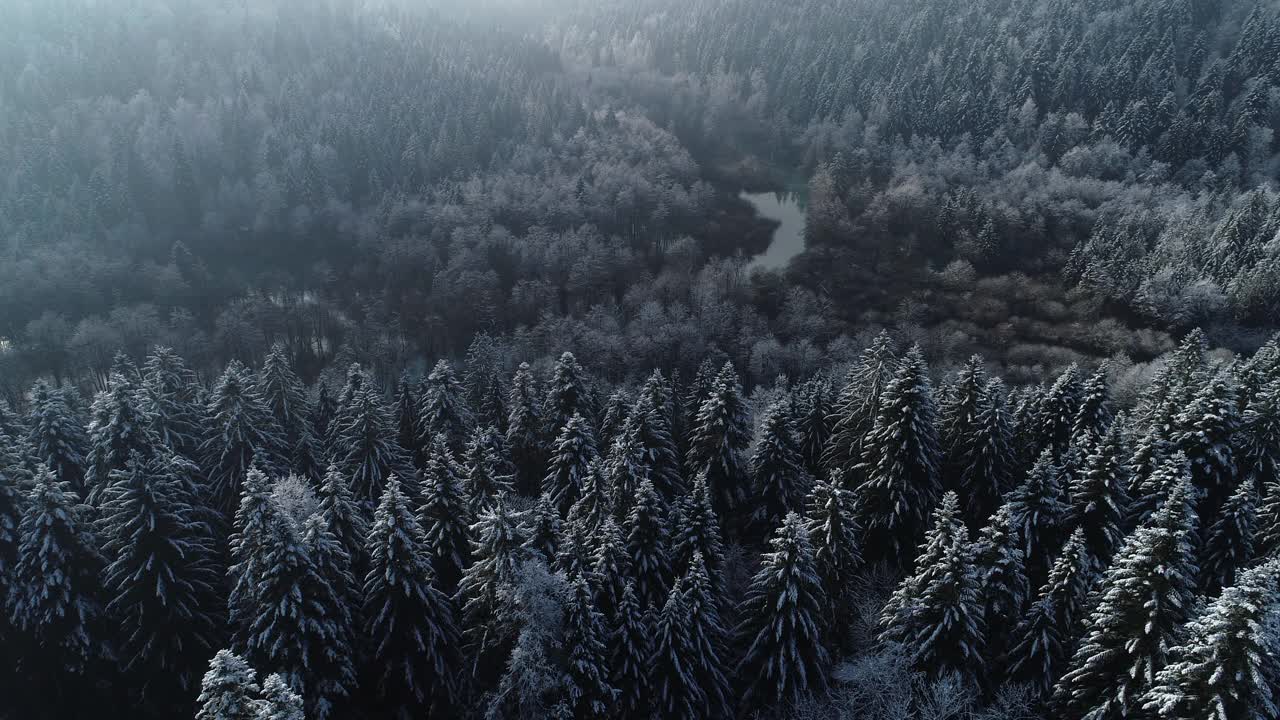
(387, 359)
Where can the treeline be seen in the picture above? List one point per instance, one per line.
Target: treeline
(558, 546)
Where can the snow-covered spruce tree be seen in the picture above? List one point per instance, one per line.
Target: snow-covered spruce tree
(238, 435)
(778, 478)
(323, 411)
(782, 627)
(331, 673)
(566, 395)
(485, 478)
(1155, 469)
(1099, 497)
(542, 531)
(1045, 638)
(650, 417)
(1205, 433)
(119, 431)
(1001, 574)
(55, 590)
(720, 436)
(982, 454)
(958, 406)
(899, 465)
(625, 469)
(57, 437)
(630, 654)
(279, 701)
(298, 624)
(15, 483)
(345, 519)
(344, 404)
(937, 615)
(445, 412)
(1259, 439)
(675, 688)
(648, 539)
(161, 580)
(535, 682)
(11, 423)
(610, 569)
(708, 638)
(525, 431)
(1146, 596)
(1094, 417)
(1058, 410)
(252, 521)
(590, 692)
(1174, 386)
(573, 551)
(571, 458)
(444, 519)
(1224, 666)
(837, 551)
(615, 412)
(594, 506)
(229, 690)
(408, 416)
(813, 423)
(854, 411)
(289, 406)
(488, 628)
(409, 623)
(1266, 535)
(365, 446)
(1228, 545)
(697, 531)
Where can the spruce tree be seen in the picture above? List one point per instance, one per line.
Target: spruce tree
(610, 569)
(57, 437)
(1045, 638)
(899, 465)
(11, 423)
(981, 454)
(542, 533)
(1058, 411)
(408, 412)
(1154, 475)
(625, 469)
(566, 395)
(778, 478)
(595, 505)
(444, 409)
(345, 519)
(572, 455)
(1037, 515)
(675, 688)
(1224, 667)
(229, 690)
(331, 674)
(697, 531)
(1266, 537)
(937, 614)
(1099, 498)
(650, 419)
(1205, 432)
(162, 579)
(15, 483)
(855, 409)
(720, 436)
(365, 446)
(279, 701)
(408, 621)
(488, 630)
(1228, 545)
(524, 431)
(323, 411)
(837, 550)
(485, 478)
(590, 693)
(615, 412)
(1003, 577)
(1259, 438)
(782, 626)
(444, 519)
(238, 436)
(648, 543)
(54, 595)
(630, 654)
(708, 638)
(1094, 417)
(813, 423)
(120, 430)
(958, 408)
(1146, 596)
(289, 406)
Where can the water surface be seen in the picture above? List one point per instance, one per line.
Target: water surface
(788, 238)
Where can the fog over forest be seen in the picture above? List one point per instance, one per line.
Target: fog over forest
(526, 359)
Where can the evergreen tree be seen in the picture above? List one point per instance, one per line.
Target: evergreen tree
(289, 407)
(958, 409)
(650, 419)
(899, 464)
(594, 506)
(1001, 574)
(1094, 417)
(345, 520)
(524, 431)
(331, 674)
(858, 404)
(444, 518)
(1045, 638)
(675, 687)
(610, 569)
(55, 586)
(721, 434)
(119, 431)
(11, 423)
(837, 552)
(982, 454)
(15, 483)
(279, 701)
(1224, 667)
(778, 477)
(57, 438)
(630, 653)
(409, 419)
(536, 681)
(365, 446)
(444, 409)
(937, 614)
(625, 469)
(1058, 411)
(1146, 596)
(1099, 501)
(323, 411)
(574, 451)
(1266, 538)
(590, 694)
(237, 437)
(1152, 483)
(567, 394)
(409, 622)
(697, 531)
(1259, 439)
(161, 580)
(707, 638)
(485, 478)
(647, 543)
(253, 520)
(616, 410)
(813, 424)
(782, 627)
(488, 629)
(1205, 433)
(229, 690)
(543, 532)
(1228, 546)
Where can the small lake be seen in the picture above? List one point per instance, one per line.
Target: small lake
(788, 238)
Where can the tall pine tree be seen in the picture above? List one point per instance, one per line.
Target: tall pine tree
(720, 436)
